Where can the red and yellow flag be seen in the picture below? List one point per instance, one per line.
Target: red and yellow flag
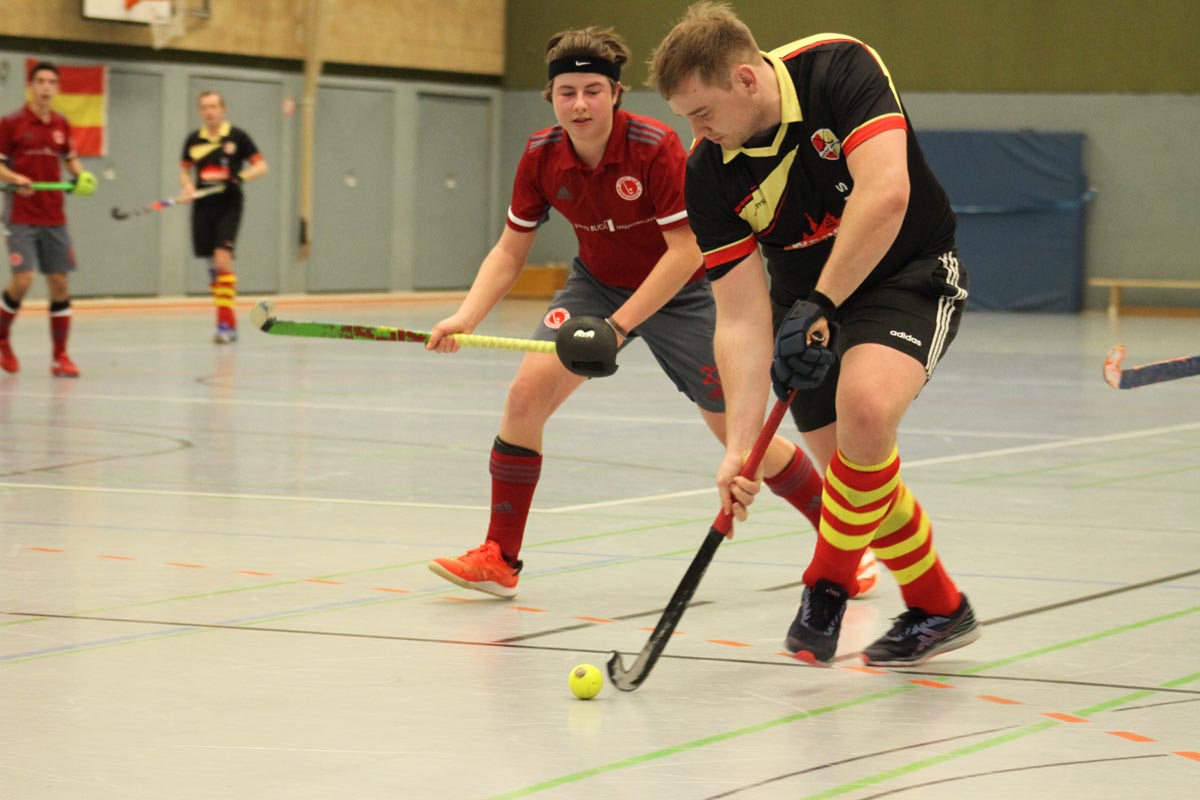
(83, 100)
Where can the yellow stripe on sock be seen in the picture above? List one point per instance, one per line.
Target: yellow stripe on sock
(901, 513)
(919, 537)
(910, 574)
(841, 540)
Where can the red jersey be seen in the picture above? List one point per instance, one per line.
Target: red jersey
(620, 208)
(33, 148)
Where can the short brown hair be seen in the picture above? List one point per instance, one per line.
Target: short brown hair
(593, 41)
(709, 40)
(210, 93)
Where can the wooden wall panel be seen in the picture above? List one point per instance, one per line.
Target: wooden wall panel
(463, 36)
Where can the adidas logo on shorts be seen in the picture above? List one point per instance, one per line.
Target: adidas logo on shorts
(906, 337)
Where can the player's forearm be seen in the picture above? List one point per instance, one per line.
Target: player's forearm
(743, 345)
(255, 170)
(497, 274)
(7, 175)
(664, 282)
(185, 180)
(74, 166)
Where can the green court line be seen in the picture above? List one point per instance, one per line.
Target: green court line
(1086, 462)
(993, 742)
(698, 743)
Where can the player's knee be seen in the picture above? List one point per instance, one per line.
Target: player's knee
(528, 399)
(21, 281)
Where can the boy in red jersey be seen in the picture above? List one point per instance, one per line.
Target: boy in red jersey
(32, 142)
(618, 179)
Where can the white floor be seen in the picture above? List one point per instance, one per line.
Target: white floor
(213, 581)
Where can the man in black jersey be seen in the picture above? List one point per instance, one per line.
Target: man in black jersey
(807, 153)
(220, 154)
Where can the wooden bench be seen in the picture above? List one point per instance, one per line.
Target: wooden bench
(540, 280)
(1115, 285)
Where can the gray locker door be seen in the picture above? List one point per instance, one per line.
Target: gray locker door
(254, 107)
(122, 258)
(452, 189)
(352, 204)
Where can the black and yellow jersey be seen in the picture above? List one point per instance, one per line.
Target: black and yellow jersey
(220, 158)
(788, 194)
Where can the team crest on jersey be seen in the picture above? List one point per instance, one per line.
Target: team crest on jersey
(555, 317)
(827, 145)
(629, 187)
(229, 147)
(15, 260)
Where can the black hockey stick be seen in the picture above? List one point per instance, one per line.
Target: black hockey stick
(159, 205)
(629, 679)
(1157, 372)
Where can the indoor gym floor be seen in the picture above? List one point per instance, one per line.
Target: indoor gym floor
(213, 580)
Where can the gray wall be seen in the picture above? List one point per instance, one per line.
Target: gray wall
(162, 239)
(1142, 157)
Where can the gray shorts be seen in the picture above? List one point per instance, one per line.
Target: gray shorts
(41, 247)
(679, 334)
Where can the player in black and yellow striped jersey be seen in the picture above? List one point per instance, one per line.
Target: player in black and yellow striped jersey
(807, 154)
(218, 153)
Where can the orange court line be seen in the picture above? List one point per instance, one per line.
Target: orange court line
(868, 670)
(728, 643)
(389, 589)
(322, 580)
(119, 558)
(595, 619)
(1188, 754)
(46, 549)
(1064, 717)
(454, 599)
(527, 608)
(1131, 736)
(186, 566)
(254, 572)
(1001, 700)
(933, 684)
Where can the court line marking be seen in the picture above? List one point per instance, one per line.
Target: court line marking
(909, 465)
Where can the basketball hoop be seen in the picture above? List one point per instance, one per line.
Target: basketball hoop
(165, 27)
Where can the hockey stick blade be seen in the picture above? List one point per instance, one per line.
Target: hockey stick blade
(1156, 372)
(263, 317)
(627, 680)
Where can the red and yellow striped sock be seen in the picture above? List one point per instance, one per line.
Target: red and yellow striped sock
(224, 292)
(904, 543)
(855, 501)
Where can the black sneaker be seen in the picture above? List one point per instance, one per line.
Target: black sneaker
(813, 636)
(916, 637)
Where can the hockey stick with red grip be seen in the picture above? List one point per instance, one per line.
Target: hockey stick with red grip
(629, 679)
(1157, 372)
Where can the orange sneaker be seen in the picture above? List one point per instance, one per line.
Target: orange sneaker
(8, 359)
(868, 574)
(482, 569)
(63, 367)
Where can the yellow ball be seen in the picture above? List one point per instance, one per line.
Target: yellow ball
(585, 681)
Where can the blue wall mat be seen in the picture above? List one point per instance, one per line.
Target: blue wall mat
(1020, 200)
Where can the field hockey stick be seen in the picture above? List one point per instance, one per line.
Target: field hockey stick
(1156, 372)
(629, 679)
(59, 186)
(159, 205)
(263, 317)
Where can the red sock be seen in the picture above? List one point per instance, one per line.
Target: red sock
(904, 543)
(8, 313)
(60, 325)
(855, 501)
(514, 479)
(800, 484)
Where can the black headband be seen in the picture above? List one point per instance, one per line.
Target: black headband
(600, 66)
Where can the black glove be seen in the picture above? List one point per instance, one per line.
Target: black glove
(798, 364)
(587, 346)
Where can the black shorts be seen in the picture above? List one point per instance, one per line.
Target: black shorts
(215, 223)
(915, 311)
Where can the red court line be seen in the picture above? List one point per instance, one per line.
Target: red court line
(1004, 701)
(595, 619)
(254, 572)
(1131, 736)
(1188, 754)
(868, 670)
(389, 589)
(118, 558)
(1064, 717)
(323, 581)
(46, 549)
(531, 610)
(728, 643)
(185, 566)
(454, 599)
(933, 684)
